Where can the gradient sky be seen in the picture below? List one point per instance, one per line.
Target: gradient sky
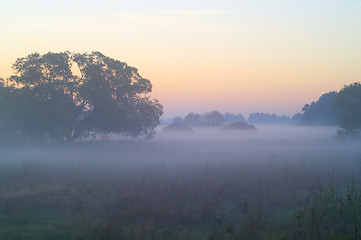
(238, 56)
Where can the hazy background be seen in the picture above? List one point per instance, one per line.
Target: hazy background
(235, 56)
(261, 56)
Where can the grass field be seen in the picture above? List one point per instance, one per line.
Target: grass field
(173, 188)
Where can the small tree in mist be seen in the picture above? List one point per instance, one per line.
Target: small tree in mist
(209, 119)
(267, 118)
(46, 100)
(349, 100)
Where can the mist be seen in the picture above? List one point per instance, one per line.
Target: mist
(124, 120)
(177, 185)
(262, 133)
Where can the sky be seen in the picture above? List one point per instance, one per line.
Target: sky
(271, 56)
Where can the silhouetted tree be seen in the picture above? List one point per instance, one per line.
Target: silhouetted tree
(296, 118)
(348, 100)
(232, 118)
(213, 118)
(321, 112)
(209, 119)
(193, 119)
(50, 102)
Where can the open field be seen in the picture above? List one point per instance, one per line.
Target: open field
(278, 183)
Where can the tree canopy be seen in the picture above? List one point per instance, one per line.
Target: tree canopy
(267, 118)
(349, 101)
(341, 108)
(209, 119)
(322, 111)
(45, 99)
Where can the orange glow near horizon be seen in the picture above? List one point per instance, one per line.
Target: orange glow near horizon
(228, 56)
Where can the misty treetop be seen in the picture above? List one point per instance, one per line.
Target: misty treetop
(45, 99)
(267, 118)
(209, 119)
(217, 119)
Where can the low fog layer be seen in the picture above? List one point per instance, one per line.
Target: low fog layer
(177, 185)
(177, 147)
(262, 133)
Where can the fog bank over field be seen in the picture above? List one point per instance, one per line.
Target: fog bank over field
(192, 184)
(191, 146)
(202, 140)
(262, 133)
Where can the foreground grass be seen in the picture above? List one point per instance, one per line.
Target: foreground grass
(175, 190)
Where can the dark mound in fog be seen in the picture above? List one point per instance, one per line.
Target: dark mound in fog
(239, 126)
(178, 126)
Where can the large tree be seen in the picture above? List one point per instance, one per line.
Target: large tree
(321, 112)
(46, 100)
(349, 101)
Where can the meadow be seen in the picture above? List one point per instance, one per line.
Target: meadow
(276, 183)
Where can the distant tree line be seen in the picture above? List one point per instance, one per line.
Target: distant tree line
(341, 109)
(266, 118)
(209, 119)
(216, 119)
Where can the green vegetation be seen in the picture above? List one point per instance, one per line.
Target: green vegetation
(321, 112)
(148, 190)
(349, 100)
(331, 213)
(47, 100)
(341, 108)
